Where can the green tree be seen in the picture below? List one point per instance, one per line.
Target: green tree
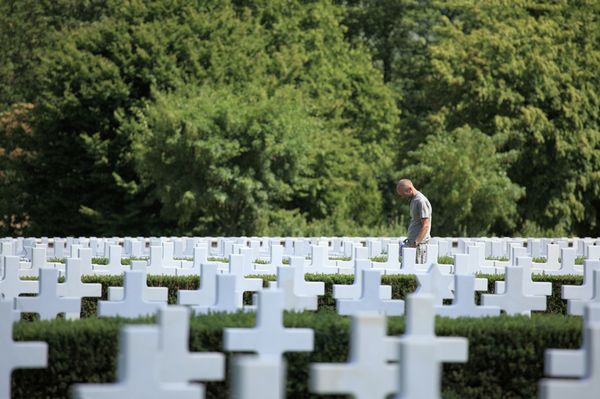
(99, 70)
(225, 162)
(14, 127)
(522, 72)
(526, 74)
(465, 180)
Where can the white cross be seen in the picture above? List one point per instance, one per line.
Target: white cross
(436, 283)
(320, 262)
(286, 278)
(133, 303)
(572, 362)
(583, 363)
(47, 303)
(464, 301)
(567, 261)
(139, 371)
(421, 352)
(269, 338)
(227, 298)
(73, 287)
(14, 355)
(236, 267)
(301, 286)
(585, 290)
(151, 294)
(85, 255)
(353, 291)
(576, 306)
(409, 262)
(158, 264)
(114, 266)
(531, 287)
(370, 299)
(177, 363)
(11, 286)
(514, 299)
(206, 294)
(368, 374)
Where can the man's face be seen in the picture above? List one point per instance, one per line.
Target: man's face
(403, 190)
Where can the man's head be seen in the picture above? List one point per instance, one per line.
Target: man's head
(405, 188)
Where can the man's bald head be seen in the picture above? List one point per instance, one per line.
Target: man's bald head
(405, 188)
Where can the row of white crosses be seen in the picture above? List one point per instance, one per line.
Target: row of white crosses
(51, 297)
(155, 361)
(153, 357)
(518, 294)
(218, 291)
(163, 253)
(224, 291)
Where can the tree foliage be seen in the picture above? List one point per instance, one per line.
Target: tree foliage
(297, 117)
(466, 182)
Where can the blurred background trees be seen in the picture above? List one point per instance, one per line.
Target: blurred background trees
(297, 117)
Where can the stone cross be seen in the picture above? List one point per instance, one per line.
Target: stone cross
(540, 288)
(301, 286)
(73, 287)
(152, 294)
(206, 294)
(269, 338)
(566, 265)
(11, 286)
(16, 355)
(370, 298)
(227, 299)
(409, 262)
(422, 353)
(583, 364)
(292, 300)
(584, 291)
(263, 375)
(368, 374)
(514, 299)
(243, 284)
(177, 363)
(320, 262)
(353, 291)
(436, 283)
(576, 306)
(48, 304)
(464, 301)
(139, 371)
(134, 303)
(114, 266)
(158, 264)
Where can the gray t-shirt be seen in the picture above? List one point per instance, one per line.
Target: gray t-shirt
(420, 208)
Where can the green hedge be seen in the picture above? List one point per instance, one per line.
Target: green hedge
(505, 353)
(401, 286)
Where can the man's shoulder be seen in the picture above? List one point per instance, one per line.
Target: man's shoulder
(420, 197)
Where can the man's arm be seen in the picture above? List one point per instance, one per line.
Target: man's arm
(424, 227)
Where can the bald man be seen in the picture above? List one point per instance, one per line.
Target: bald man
(419, 229)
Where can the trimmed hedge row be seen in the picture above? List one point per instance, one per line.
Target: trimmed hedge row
(401, 286)
(505, 353)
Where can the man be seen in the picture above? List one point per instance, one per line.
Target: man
(419, 229)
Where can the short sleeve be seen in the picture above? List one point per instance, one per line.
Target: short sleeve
(424, 209)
